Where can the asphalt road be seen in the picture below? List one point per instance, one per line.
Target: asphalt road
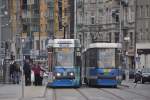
(140, 92)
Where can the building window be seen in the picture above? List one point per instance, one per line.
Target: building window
(42, 45)
(141, 33)
(141, 11)
(131, 38)
(147, 11)
(117, 37)
(92, 20)
(93, 1)
(25, 27)
(37, 45)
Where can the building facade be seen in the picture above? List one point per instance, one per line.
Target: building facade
(5, 32)
(142, 33)
(35, 31)
(63, 18)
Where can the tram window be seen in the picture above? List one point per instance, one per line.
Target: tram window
(106, 58)
(91, 58)
(64, 57)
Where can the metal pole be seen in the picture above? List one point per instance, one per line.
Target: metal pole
(135, 32)
(39, 35)
(75, 19)
(22, 72)
(120, 35)
(0, 25)
(30, 26)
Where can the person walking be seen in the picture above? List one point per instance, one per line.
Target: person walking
(36, 69)
(12, 69)
(138, 76)
(38, 73)
(16, 73)
(27, 72)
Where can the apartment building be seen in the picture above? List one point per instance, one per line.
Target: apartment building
(142, 33)
(35, 30)
(63, 18)
(5, 32)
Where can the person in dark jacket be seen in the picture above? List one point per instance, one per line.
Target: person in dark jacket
(12, 69)
(27, 72)
(16, 73)
(138, 76)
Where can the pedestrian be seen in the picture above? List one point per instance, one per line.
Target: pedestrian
(41, 73)
(16, 73)
(36, 69)
(138, 76)
(12, 69)
(27, 72)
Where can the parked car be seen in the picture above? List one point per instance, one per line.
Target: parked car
(145, 75)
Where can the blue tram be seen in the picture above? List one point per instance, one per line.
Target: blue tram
(64, 62)
(101, 64)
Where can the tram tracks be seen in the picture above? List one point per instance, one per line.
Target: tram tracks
(106, 91)
(82, 94)
(85, 96)
(129, 91)
(125, 90)
(54, 95)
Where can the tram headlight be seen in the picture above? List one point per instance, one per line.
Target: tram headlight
(58, 74)
(71, 74)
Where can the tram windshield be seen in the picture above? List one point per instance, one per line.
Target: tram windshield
(64, 57)
(106, 58)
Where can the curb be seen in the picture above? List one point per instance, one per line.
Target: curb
(124, 85)
(45, 90)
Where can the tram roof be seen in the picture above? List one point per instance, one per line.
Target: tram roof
(71, 42)
(103, 45)
(57, 41)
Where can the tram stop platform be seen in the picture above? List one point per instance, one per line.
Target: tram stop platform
(14, 92)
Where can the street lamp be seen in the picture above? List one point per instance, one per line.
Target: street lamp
(22, 76)
(123, 3)
(126, 39)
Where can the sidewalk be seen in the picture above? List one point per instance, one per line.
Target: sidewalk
(14, 92)
(128, 84)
